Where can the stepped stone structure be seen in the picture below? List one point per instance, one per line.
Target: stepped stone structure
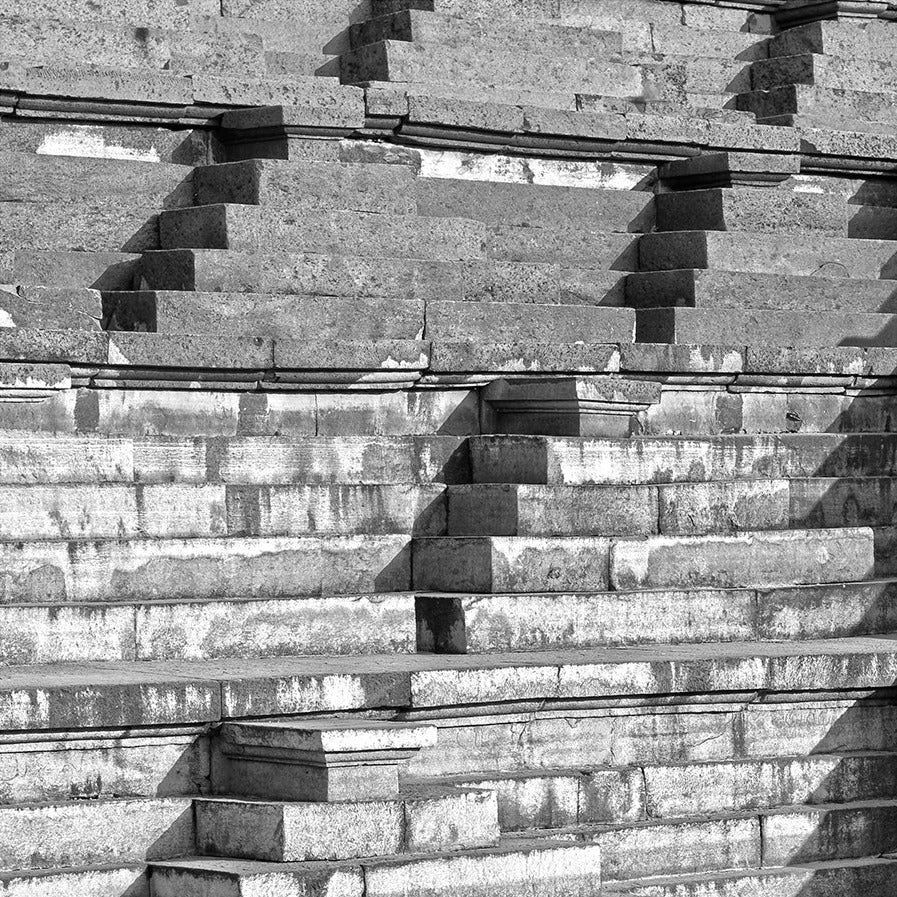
(448, 448)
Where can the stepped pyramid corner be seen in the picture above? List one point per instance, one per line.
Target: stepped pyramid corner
(448, 448)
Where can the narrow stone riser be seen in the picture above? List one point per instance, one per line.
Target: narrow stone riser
(320, 464)
(352, 276)
(769, 254)
(48, 179)
(300, 832)
(698, 326)
(740, 290)
(832, 72)
(757, 411)
(321, 187)
(873, 878)
(634, 794)
(543, 869)
(560, 461)
(61, 226)
(536, 205)
(83, 833)
(115, 881)
(683, 509)
(130, 512)
(560, 564)
(206, 630)
(540, 621)
(72, 270)
(198, 569)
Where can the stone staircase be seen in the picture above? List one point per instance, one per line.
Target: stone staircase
(472, 478)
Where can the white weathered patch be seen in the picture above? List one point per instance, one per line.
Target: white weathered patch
(80, 140)
(525, 170)
(6, 319)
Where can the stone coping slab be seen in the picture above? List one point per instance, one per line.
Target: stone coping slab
(109, 695)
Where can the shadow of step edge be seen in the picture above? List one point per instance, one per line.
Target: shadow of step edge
(561, 564)
(319, 760)
(873, 876)
(489, 624)
(545, 869)
(428, 821)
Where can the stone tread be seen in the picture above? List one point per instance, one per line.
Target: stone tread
(110, 695)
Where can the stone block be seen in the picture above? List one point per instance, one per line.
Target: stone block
(752, 559)
(438, 820)
(687, 509)
(514, 564)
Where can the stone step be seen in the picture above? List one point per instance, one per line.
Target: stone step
(201, 568)
(51, 308)
(314, 187)
(511, 322)
(83, 227)
(426, 821)
(84, 833)
(40, 512)
(838, 106)
(215, 270)
(242, 227)
(548, 799)
(492, 35)
(567, 245)
(521, 564)
(98, 881)
(669, 509)
(38, 41)
(170, 13)
(752, 209)
(235, 460)
(544, 869)
(488, 624)
(536, 205)
(207, 630)
(406, 62)
(711, 326)
(837, 73)
(851, 40)
(875, 877)
(555, 461)
(74, 270)
(800, 254)
(261, 314)
(39, 697)
(40, 178)
(711, 289)
(686, 40)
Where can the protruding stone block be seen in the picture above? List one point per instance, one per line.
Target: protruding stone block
(729, 170)
(316, 760)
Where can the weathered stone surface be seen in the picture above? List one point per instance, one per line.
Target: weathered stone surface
(752, 559)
